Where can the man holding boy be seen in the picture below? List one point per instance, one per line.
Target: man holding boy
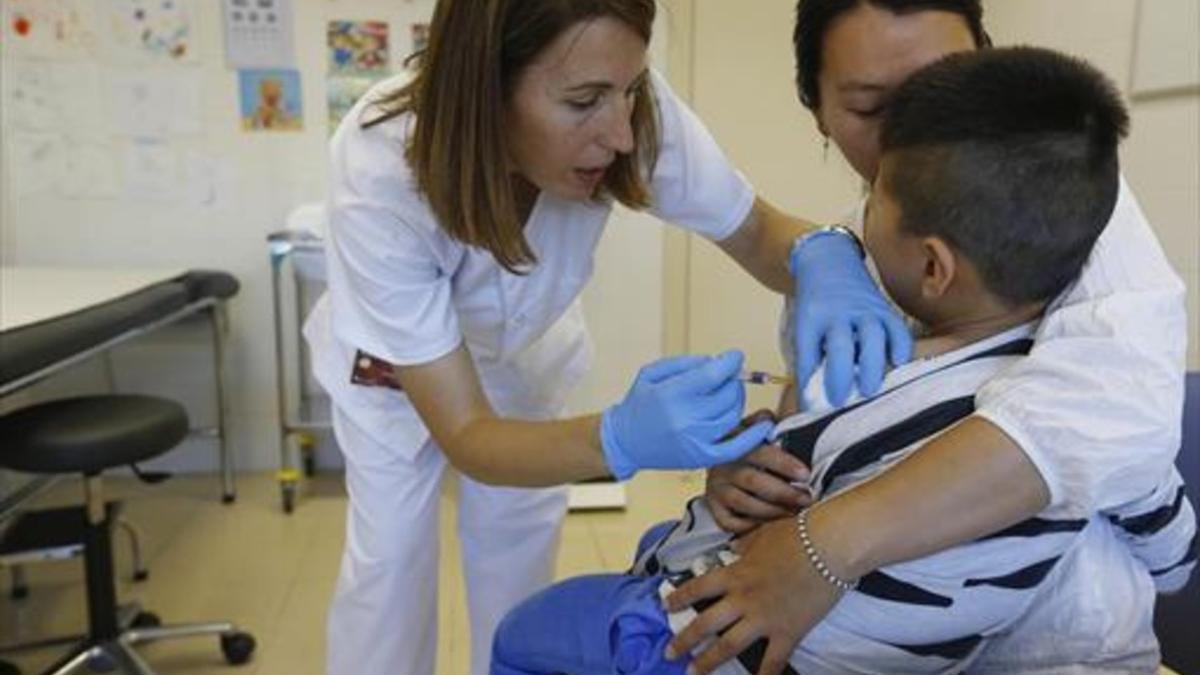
(999, 172)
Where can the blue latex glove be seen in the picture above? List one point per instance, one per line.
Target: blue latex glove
(676, 414)
(839, 308)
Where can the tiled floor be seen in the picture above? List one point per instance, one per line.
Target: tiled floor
(273, 574)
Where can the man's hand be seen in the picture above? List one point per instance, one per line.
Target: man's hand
(756, 488)
(771, 592)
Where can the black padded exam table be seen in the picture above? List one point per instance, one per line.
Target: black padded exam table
(37, 345)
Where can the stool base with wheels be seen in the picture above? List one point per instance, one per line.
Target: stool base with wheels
(88, 435)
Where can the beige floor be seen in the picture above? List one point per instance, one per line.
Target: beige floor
(272, 574)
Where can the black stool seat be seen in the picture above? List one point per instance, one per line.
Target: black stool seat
(91, 433)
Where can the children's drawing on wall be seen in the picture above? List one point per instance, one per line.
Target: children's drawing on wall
(155, 102)
(40, 157)
(151, 171)
(152, 30)
(88, 171)
(53, 96)
(271, 100)
(358, 48)
(32, 99)
(420, 40)
(49, 29)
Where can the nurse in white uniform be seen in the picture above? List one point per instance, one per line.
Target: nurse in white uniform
(464, 211)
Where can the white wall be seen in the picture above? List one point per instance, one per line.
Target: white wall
(1161, 157)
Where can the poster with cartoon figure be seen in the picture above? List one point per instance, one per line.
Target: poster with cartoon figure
(358, 48)
(271, 100)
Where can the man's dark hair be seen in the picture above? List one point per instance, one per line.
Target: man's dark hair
(814, 17)
(1010, 155)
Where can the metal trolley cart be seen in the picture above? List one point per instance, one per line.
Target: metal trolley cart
(297, 270)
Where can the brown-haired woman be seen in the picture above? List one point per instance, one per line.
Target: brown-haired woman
(464, 211)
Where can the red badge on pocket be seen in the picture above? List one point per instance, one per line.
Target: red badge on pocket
(371, 371)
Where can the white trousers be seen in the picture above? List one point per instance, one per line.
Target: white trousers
(383, 617)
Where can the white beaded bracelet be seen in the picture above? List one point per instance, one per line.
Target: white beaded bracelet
(815, 558)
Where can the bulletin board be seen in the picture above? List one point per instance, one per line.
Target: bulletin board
(112, 111)
(1166, 59)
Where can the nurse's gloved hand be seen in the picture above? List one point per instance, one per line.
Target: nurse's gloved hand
(840, 309)
(676, 416)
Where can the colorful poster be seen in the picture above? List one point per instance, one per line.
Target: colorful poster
(49, 29)
(152, 30)
(271, 100)
(420, 41)
(358, 48)
(343, 93)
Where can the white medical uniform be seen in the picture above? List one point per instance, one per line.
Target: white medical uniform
(1096, 407)
(402, 290)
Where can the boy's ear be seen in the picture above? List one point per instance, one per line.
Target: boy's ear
(941, 267)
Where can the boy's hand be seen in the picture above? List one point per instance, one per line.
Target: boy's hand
(771, 592)
(756, 488)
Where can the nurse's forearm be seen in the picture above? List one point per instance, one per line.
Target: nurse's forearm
(969, 482)
(763, 242)
(517, 453)
(450, 400)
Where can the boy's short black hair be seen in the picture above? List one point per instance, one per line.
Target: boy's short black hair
(814, 17)
(1010, 155)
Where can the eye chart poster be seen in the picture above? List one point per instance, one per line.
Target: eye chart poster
(259, 34)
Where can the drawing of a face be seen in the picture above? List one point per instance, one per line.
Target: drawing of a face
(271, 90)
